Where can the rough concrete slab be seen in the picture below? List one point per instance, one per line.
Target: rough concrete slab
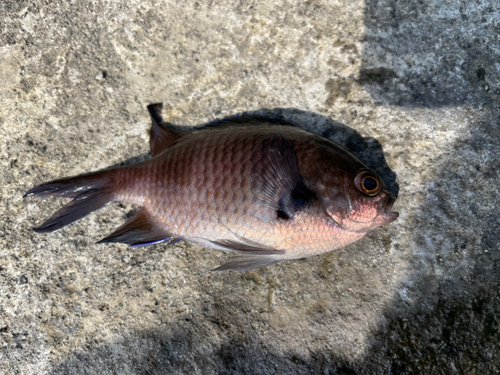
(418, 79)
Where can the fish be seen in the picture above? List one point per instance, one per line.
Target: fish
(258, 186)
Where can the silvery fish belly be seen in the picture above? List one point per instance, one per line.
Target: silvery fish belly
(262, 188)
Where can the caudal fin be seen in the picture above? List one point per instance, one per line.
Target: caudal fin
(89, 192)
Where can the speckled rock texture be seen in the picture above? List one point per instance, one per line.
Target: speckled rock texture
(411, 86)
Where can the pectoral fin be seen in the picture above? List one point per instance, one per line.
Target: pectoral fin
(246, 263)
(246, 247)
(279, 183)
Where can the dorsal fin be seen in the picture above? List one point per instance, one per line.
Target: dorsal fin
(247, 119)
(162, 134)
(139, 230)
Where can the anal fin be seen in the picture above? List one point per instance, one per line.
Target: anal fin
(139, 230)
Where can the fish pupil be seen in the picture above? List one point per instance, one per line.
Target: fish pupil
(370, 184)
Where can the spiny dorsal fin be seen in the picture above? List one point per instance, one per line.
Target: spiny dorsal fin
(162, 134)
(139, 230)
(247, 119)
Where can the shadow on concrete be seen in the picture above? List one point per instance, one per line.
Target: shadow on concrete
(431, 53)
(452, 335)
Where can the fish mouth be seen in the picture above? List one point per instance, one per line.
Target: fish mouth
(389, 215)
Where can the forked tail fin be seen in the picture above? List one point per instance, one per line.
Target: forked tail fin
(89, 192)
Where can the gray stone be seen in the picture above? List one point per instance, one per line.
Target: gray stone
(417, 79)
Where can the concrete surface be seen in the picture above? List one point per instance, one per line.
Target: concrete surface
(416, 79)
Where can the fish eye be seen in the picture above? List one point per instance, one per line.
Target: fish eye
(368, 183)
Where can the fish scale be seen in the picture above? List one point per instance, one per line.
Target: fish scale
(260, 187)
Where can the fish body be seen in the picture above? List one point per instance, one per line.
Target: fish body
(263, 188)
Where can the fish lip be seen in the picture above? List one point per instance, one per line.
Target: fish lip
(388, 214)
(391, 216)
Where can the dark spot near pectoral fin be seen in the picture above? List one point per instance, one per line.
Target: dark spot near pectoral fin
(281, 214)
(277, 179)
(299, 197)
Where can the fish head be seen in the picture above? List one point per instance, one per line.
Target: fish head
(354, 197)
